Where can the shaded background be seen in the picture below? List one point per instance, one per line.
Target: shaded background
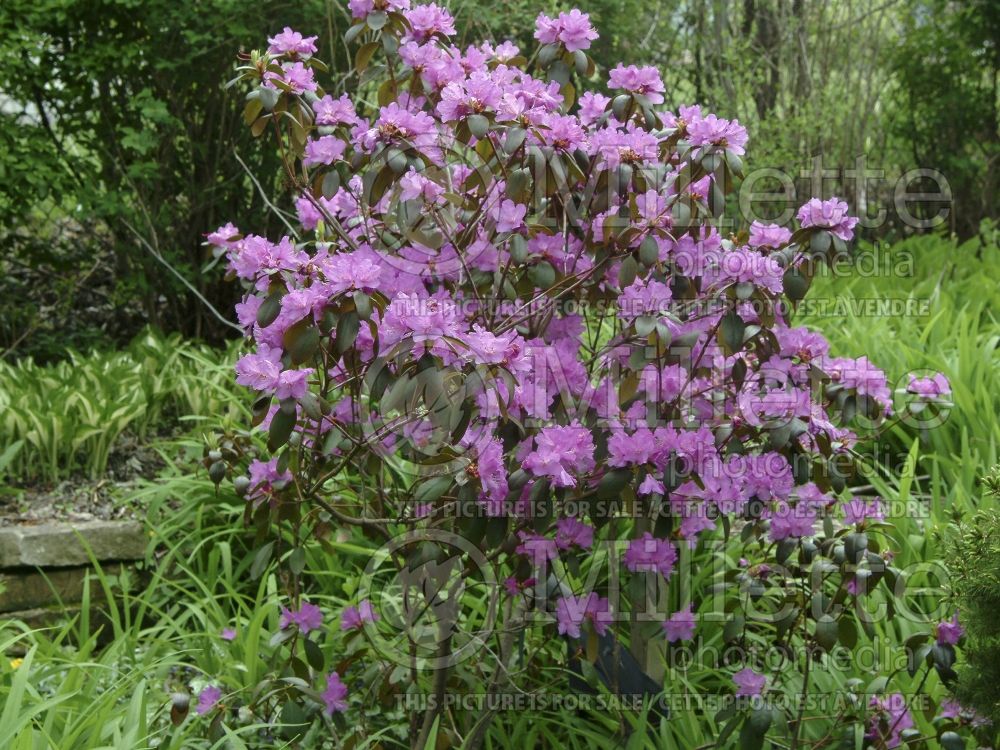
(118, 143)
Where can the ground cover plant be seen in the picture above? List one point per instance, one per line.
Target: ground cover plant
(64, 419)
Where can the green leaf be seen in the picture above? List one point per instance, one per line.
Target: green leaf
(542, 274)
(649, 251)
(282, 424)
(627, 272)
(301, 341)
(820, 242)
(297, 560)
(515, 138)
(261, 561)
(750, 738)
(479, 126)
(314, 655)
(364, 55)
(681, 213)
(613, 482)
(269, 310)
(496, 531)
(760, 719)
(517, 246)
(518, 185)
(847, 632)
(293, 719)
(432, 489)
(731, 331)
(796, 284)
(645, 325)
(347, 331)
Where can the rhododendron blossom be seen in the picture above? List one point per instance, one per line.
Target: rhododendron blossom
(572, 30)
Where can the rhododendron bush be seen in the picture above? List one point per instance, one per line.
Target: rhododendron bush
(513, 344)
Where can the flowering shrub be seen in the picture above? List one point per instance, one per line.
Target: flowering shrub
(511, 343)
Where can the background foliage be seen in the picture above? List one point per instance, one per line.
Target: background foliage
(116, 144)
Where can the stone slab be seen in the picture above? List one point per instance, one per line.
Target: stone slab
(59, 544)
(28, 589)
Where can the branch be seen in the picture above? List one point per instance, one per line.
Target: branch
(152, 251)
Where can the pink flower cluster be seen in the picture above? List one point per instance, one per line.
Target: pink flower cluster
(572, 30)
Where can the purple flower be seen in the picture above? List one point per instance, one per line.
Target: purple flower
(503, 52)
(573, 531)
(330, 111)
(350, 271)
(428, 20)
(949, 632)
(293, 383)
(768, 235)
(890, 717)
(950, 709)
(477, 94)
(514, 587)
(831, 215)
(859, 509)
(861, 375)
(572, 30)
(592, 106)
(680, 625)
(224, 236)
(489, 468)
(539, 548)
(508, 215)
(651, 485)
(207, 699)
(306, 618)
(254, 255)
(324, 150)
(263, 476)
(561, 450)
(260, 370)
(292, 43)
(715, 131)
(650, 553)
(643, 81)
(562, 132)
(571, 611)
(644, 297)
(295, 76)
(229, 634)
(630, 146)
(361, 8)
(414, 185)
(396, 124)
(744, 265)
(309, 215)
(791, 522)
(749, 683)
(354, 618)
(932, 388)
(334, 694)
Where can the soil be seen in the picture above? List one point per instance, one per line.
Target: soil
(83, 499)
